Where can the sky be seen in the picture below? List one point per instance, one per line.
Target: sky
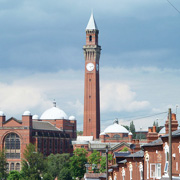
(42, 59)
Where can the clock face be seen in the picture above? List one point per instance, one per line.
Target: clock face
(90, 66)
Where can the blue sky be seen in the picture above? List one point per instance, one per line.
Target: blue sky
(42, 58)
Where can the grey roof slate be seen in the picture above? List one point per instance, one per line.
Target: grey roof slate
(121, 154)
(123, 161)
(42, 125)
(174, 134)
(136, 154)
(157, 142)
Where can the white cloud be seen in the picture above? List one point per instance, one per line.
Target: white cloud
(119, 97)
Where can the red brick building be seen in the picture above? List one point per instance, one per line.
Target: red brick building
(52, 133)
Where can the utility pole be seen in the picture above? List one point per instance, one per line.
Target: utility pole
(170, 146)
(106, 162)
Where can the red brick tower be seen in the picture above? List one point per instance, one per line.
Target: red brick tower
(91, 90)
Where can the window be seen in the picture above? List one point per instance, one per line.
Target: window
(17, 166)
(116, 136)
(7, 166)
(12, 167)
(90, 38)
(155, 170)
(12, 146)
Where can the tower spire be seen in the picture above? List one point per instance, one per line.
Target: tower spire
(92, 23)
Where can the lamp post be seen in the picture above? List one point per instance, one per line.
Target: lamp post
(140, 132)
(106, 162)
(87, 165)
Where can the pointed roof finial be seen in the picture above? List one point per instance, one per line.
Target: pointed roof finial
(54, 103)
(92, 23)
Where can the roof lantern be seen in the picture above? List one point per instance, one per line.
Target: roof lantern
(26, 113)
(2, 113)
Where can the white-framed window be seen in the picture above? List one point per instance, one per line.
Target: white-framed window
(155, 170)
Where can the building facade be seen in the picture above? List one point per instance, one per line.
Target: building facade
(53, 134)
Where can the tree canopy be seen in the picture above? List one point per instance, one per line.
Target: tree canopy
(77, 163)
(3, 173)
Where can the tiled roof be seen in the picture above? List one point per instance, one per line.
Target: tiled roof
(121, 154)
(44, 125)
(136, 154)
(157, 142)
(94, 175)
(174, 134)
(123, 161)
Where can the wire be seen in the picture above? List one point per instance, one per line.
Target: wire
(141, 117)
(146, 116)
(173, 6)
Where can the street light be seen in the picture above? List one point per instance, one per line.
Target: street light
(87, 165)
(106, 162)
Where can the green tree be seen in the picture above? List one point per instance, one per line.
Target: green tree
(124, 149)
(127, 127)
(57, 163)
(157, 126)
(79, 133)
(14, 175)
(77, 163)
(3, 162)
(94, 158)
(132, 129)
(103, 162)
(32, 163)
(65, 174)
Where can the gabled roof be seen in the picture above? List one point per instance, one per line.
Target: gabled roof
(157, 142)
(92, 23)
(121, 154)
(44, 125)
(136, 154)
(12, 118)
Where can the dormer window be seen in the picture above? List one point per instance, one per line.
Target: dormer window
(90, 38)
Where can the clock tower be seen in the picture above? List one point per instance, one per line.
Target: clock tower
(91, 89)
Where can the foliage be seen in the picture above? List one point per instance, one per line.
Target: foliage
(141, 136)
(132, 129)
(103, 162)
(14, 175)
(79, 133)
(56, 164)
(3, 173)
(157, 126)
(77, 163)
(127, 127)
(94, 158)
(65, 174)
(125, 149)
(32, 164)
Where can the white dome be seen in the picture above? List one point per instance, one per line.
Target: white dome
(26, 113)
(2, 113)
(130, 133)
(115, 128)
(72, 118)
(35, 117)
(162, 131)
(54, 113)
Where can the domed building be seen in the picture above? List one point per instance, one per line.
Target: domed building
(115, 133)
(53, 133)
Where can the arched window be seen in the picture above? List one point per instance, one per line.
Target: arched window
(116, 136)
(90, 38)
(12, 146)
(17, 167)
(12, 167)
